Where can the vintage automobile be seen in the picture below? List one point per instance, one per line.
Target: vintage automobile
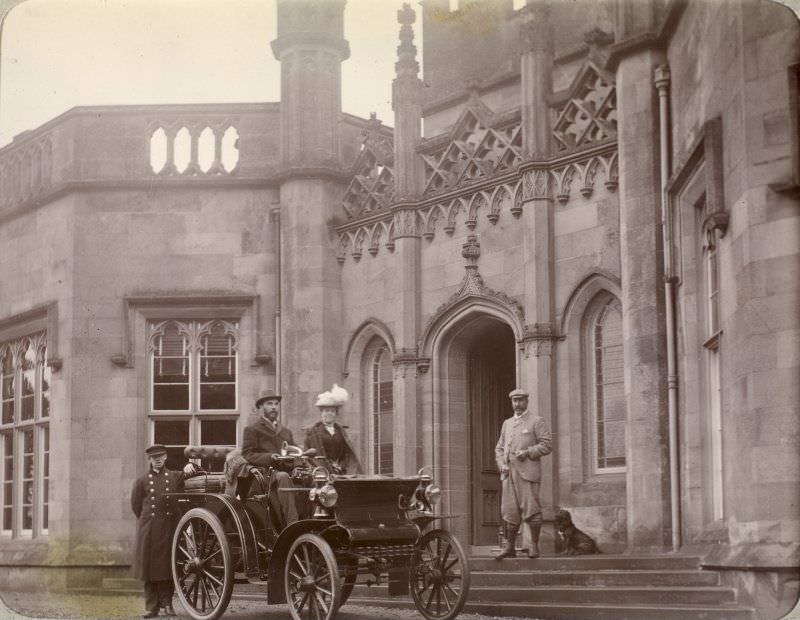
(355, 529)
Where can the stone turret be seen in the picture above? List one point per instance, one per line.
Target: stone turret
(311, 48)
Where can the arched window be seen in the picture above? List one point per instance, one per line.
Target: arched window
(606, 394)
(381, 406)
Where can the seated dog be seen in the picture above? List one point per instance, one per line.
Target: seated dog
(575, 542)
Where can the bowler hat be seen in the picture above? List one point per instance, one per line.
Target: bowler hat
(155, 450)
(518, 392)
(266, 395)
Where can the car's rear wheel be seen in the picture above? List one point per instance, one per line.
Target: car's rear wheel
(202, 565)
(350, 568)
(439, 576)
(311, 578)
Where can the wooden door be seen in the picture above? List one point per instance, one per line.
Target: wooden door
(492, 375)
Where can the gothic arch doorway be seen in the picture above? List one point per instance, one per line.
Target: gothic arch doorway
(477, 368)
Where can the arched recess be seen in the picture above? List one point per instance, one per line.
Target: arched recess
(596, 498)
(446, 430)
(368, 337)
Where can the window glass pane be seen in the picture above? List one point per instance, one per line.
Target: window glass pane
(8, 479)
(45, 389)
(171, 370)
(218, 368)
(171, 432)
(28, 381)
(609, 388)
(45, 478)
(27, 479)
(8, 386)
(218, 432)
(171, 397)
(175, 458)
(382, 412)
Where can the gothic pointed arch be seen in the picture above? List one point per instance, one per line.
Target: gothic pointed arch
(361, 337)
(473, 297)
(582, 295)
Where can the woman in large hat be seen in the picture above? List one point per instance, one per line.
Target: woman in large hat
(328, 437)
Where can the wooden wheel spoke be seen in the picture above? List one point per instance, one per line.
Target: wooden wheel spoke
(446, 600)
(213, 555)
(447, 568)
(430, 598)
(321, 602)
(212, 578)
(447, 586)
(300, 564)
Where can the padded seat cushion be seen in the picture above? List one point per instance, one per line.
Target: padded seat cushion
(205, 483)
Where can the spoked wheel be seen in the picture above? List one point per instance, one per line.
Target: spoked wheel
(313, 587)
(439, 576)
(202, 566)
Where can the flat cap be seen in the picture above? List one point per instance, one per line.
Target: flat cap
(156, 449)
(518, 392)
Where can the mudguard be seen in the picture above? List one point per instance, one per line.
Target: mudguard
(228, 510)
(275, 590)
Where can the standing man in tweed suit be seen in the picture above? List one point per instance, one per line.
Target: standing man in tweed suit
(524, 439)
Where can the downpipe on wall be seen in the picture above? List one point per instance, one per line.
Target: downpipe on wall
(275, 218)
(662, 81)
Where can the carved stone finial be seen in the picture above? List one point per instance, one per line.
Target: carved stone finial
(406, 65)
(471, 249)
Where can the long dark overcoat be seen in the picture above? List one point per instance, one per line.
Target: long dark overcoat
(155, 523)
(262, 439)
(350, 463)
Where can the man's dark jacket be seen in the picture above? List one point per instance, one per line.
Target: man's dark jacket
(262, 440)
(155, 523)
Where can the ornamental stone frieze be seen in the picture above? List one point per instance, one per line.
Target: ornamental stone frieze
(565, 180)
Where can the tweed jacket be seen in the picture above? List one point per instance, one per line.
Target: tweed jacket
(350, 463)
(528, 432)
(262, 440)
(155, 523)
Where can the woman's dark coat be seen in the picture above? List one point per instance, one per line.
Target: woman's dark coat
(350, 463)
(155, 523)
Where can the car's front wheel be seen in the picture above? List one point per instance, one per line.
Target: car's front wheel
(311, 578)
(439, 576)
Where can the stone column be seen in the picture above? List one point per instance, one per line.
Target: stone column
(408, 176)
(644, 336)
(536, 359)
(311, 48)
(536, 67)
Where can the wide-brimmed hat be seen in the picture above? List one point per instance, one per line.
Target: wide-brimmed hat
(335, 397)
(156, 449)
(267, 395)
(518, 392)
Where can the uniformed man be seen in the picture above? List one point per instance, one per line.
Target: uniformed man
(155, 527)
(262, 440)
(524, 439)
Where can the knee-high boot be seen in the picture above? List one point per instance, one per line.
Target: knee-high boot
(510, 550)
(535, 525)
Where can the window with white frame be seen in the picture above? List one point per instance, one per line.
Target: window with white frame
(25, 436)
(711, 337)
(194, 385)
(382, 411)
(606, 385)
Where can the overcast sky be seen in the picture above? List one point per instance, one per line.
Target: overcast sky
(57, 54)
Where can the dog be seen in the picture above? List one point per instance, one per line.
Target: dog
(575, 542)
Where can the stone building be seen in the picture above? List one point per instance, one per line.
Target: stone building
(595, 201)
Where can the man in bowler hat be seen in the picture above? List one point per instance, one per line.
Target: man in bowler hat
(524, 439)
(155, 526)
(262, 441)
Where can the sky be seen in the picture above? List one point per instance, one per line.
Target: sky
(57, 54)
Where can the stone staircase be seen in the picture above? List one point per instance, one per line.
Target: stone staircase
(600, 587)
(596, 587)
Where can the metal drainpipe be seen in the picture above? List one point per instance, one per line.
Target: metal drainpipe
(662, 79)
(275, 217)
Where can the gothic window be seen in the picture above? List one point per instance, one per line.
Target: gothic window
(605, 385)
(25, 437)
(194, 386)
(382, 411)
(711, 344)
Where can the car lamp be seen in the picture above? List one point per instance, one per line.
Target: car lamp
(433, 494)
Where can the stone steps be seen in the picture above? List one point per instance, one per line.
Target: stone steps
(596, 578)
